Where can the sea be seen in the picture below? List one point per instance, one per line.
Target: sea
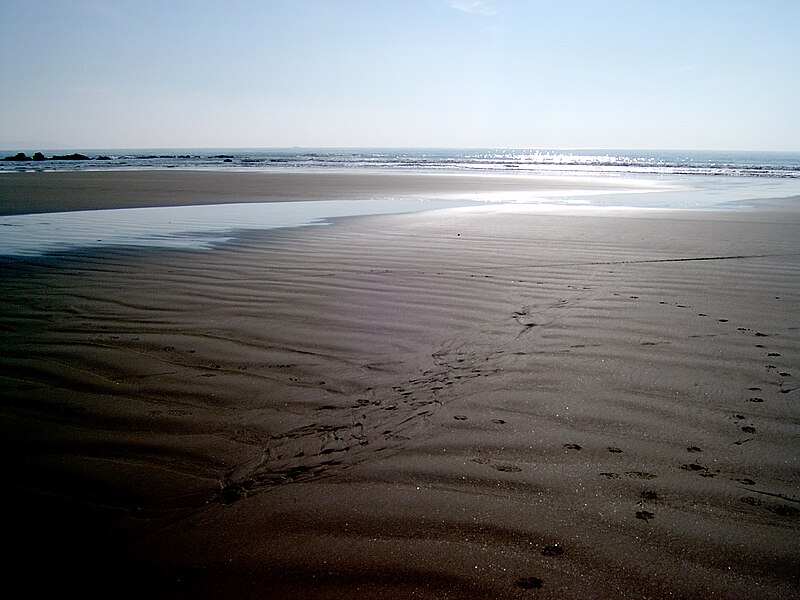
(533, 161)
(688, 180)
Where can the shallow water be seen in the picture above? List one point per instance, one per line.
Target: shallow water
(204, 226)
(191, 227)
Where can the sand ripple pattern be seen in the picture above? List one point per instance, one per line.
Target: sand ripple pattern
(534, 377)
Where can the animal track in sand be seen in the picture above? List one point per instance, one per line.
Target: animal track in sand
(530, 583)
(640, 475)
(699, 469)
(693, 467)
(610, 475)
(502, 467)
(553, 550)
(507, 468)
(345, 434)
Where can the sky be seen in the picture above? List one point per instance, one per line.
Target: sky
(660, 74)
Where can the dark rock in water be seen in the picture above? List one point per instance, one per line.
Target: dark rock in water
(38, 156)
(223, 156)
(20, 156)
(103, 158)
(227, 160)
(74, 156)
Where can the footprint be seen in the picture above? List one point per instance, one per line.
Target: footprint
(610, 475)
(644, 515)
(498, 421)
(699, 469)
(693, 467)
(722, 320)
(650, 496)
(614, 449)
(755, 399)
(745, 481)
(460, 417)
(553, 550)
(507, 468)
(640, 475)
(530, 583)
(749, 429)
(573, 447)
(693, 449)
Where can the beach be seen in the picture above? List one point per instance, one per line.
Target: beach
(490, 402)
(42, 192)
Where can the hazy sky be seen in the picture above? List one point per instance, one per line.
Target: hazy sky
(437, 73)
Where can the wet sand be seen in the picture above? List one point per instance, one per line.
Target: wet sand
(37, 192)
(463, 404)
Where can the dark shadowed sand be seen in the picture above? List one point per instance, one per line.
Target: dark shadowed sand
(464, 404)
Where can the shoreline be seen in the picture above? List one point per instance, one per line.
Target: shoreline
(28, 193)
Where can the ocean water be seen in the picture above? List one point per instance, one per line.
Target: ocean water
(534, 161)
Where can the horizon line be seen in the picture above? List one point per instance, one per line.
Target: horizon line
(60, 148)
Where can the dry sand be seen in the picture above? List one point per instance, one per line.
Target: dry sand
(461, 404)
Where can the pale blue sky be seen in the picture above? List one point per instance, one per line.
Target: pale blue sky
(431, 73)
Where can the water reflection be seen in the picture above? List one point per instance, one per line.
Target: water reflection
(195, 227)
